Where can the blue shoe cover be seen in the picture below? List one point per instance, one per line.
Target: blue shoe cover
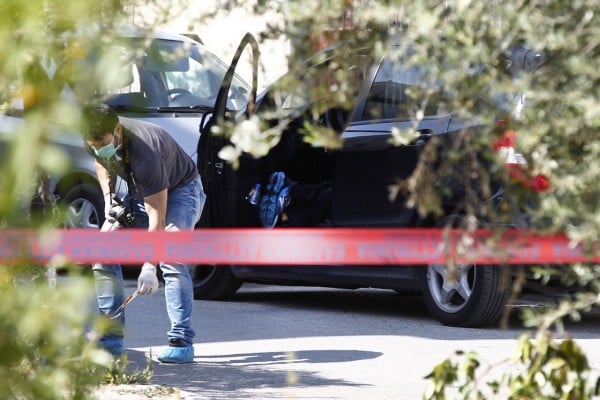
(177, 355)
(113, 346)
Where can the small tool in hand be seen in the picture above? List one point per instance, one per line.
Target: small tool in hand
(128, 300)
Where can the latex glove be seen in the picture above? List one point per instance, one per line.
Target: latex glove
(109, 226)
(147, 280)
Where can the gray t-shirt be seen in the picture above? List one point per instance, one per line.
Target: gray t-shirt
(157, 161)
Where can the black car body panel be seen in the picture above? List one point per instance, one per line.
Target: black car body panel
(359, 174)
(350, 277)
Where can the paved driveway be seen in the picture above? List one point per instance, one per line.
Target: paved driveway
(306, 343)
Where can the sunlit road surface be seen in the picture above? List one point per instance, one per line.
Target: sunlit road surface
(272, 342)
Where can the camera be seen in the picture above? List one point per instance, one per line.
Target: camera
(121, 213)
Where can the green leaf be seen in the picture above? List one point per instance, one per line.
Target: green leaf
(555, 363)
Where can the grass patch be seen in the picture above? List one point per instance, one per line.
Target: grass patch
(117, 374)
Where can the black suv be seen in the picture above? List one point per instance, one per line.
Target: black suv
(354, 180)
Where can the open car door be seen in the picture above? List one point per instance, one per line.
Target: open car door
(218, 176)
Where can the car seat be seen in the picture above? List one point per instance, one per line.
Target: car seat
(153, 89)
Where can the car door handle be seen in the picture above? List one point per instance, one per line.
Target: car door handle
(424, 137)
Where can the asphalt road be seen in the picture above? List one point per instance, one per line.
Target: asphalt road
(273, 342)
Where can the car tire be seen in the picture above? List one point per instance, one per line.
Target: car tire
(84, 207)
(477, 297)
(212, 282)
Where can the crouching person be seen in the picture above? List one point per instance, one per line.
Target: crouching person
(165, 184)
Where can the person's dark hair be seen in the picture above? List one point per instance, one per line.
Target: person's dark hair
(99, 119)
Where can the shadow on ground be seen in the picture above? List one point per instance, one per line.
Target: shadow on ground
(247, 372)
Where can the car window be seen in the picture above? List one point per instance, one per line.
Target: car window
(524, 65)
(201, 84)
(191, 73)
(522, 59)
(171, 73)
(389, 96)
(318, 84)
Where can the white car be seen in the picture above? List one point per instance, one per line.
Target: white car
(172, 83)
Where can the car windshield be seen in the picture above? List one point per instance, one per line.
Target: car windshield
(171, 74)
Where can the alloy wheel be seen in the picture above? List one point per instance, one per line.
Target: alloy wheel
(451, 295)
(81, 213)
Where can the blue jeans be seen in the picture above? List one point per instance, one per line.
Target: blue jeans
(184, 206)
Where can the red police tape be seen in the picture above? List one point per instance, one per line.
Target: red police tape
(291, 246)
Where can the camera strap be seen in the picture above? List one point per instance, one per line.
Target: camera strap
(128, 174)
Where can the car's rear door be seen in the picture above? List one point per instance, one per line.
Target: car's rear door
(370, 161)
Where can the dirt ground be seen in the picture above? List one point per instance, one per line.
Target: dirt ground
(141, 392)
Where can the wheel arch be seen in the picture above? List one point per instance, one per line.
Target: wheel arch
(68, 181)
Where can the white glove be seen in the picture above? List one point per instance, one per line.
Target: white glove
(147, 280)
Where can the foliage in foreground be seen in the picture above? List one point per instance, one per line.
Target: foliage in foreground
(547, 367)
(45, 352)
(541, 369)
(43, 343)
(44, 355)
(48, 342)
(460, 44)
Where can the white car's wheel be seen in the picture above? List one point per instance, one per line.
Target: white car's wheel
(85, 207)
